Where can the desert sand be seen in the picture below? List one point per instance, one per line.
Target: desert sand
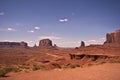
(108, 71)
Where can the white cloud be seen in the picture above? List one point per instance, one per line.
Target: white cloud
(10, 29)
(6, 40)
(2, 13)
(95, 41)
(66, 43)
(37, 28)
(63, 20)
(50, 37)
(102, 39)
(7, 29)
(31, 31)
(91, 40)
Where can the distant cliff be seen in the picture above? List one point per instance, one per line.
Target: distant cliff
(113, 38)
(13, 44)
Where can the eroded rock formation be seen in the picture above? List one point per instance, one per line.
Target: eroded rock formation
(113, 38)
(94, 57)
(13, 44)
(45, 43)
(82, 44)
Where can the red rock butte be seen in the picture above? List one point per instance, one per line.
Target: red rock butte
(45, 43)
(113, 38)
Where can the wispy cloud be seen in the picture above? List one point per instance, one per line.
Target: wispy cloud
(102, 38)
(36, 28)
(31, 31)
(2, 13)
(92, 40)
(63, 20)
(7, 29)
(6, 40)
(50, 37)
(66, 43)
(95, 41)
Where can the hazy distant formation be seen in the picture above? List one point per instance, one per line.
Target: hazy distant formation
(111, 39)
(13, 44)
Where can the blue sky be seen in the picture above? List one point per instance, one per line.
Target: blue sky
(66, 22)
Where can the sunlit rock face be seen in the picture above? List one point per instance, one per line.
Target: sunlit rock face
(113, 38)
(45, 43)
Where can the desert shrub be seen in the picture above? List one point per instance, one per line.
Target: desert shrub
(114, 62)
(72, 66)
(38, 67)
(90, 64)
(5, 70)
(102, 62)
(77, 65)
(26, 71)
(56, 65)
(24, 67)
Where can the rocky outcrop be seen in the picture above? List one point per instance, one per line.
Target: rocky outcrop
(13, 44)
(82, 44)
(34, 45)
(55, 46)
(45, 43)
(113, 38)
(94, 57)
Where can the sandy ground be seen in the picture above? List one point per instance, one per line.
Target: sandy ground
(108, 71)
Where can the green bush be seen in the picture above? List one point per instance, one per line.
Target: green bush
(5, 70)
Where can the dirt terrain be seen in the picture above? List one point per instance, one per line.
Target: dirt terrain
(96, 72)
(61, 56)
(101, 61)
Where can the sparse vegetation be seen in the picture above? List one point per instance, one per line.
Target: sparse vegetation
(27, 71)
(38, 67)
(115, 62)
(90, 64)
(5, 70)
(72, 66)
(24, 67)
(102, 62)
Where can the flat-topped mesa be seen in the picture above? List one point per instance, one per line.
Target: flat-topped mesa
(45, 43)
(113, 38)
(13, 44)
